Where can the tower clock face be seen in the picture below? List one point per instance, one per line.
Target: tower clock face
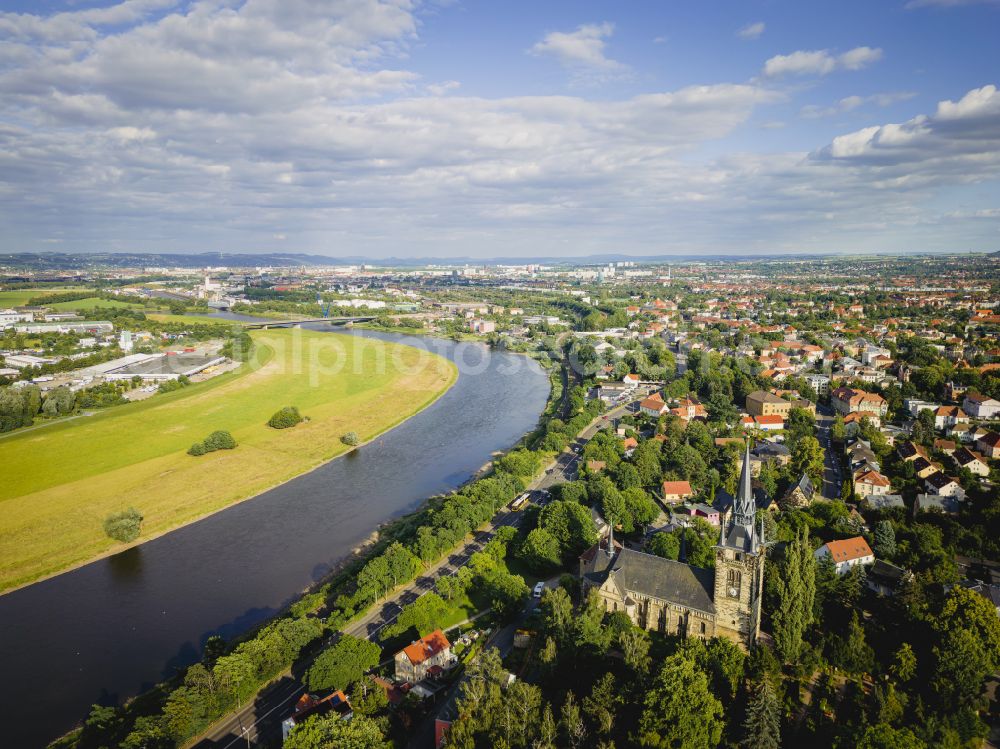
(734, 592)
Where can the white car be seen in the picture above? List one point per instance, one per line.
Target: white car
(539, 587)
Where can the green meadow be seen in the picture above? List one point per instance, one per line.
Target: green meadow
(59, 483)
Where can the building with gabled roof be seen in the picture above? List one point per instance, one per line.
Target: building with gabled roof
(421, 658)
(847, 553)
(676, 598)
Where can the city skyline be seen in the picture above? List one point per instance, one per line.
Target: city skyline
(446, 129)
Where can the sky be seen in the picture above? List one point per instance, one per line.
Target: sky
(462, 128)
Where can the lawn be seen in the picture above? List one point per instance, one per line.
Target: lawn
(58, 484)
(164, 317)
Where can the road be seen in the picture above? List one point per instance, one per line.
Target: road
(832, 473)
(261, 719)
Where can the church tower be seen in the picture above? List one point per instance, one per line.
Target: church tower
(739, 567)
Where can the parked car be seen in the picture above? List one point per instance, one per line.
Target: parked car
(539, 587)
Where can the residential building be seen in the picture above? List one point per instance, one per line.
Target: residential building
(763, 403)
(949, 416)
(871, 482)
(653, 405)
(800, 495)
(481, 327)
(847, 400)
(423, 657)
(848, 553)
(886, 579)
(946, 504)
(676, 491)
(989, 445)
(980, 406)
(943, 486)
(965, 458)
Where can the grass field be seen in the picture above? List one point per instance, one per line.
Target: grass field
(20, 297)
(59, 483)
(90, 303)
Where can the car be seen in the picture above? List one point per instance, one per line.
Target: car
(539, 587)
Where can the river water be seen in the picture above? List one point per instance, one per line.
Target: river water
(111, 629)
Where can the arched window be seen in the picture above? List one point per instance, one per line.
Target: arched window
(734, 581)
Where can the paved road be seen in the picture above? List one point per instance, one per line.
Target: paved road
(832, 473)
(261, 719)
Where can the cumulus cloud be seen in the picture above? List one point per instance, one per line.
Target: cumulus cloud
(820, 62)
(582, 48)
(215, 125)
(751, 30)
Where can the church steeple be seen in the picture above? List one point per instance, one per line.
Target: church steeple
(739, 530)
(745, 507)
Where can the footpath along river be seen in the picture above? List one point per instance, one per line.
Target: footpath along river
(110, 629)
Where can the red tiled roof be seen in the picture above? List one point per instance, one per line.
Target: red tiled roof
(677, 487)
(426, 647)
(849, 549)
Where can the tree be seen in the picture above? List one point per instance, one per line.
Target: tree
(541, 551)
(904, 664)
(796, 588)
(571, 722)
(343, 664)
(427, 613)
(557, 612)
(807, 458)
(123, 526)
(327, 731)
(284, 418)
(350, 438)
(635, 647)
(220, 440)
(602, 704)
(680, 711)
(571, 524)
(884, 736)
(58, 401)
(762, 727)
(885, 539)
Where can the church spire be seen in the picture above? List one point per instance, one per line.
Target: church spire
(745, 508)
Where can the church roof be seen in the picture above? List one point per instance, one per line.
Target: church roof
(665, 579)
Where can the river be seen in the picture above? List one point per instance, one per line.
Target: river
(111, 629)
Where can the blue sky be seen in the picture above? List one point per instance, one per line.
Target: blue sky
(399, 128)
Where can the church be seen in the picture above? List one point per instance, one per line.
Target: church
(679, 599)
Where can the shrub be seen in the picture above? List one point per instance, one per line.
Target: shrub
(287, 417)
(123, 526)
(220, 440)
(350, 438)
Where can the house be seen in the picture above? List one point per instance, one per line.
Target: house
(923, 467)
(675, 598)
(631, 379)
(676, 491)
(965, 458)
(871, 482)
(945, 446)
(688, 409)
(848, 400)
(945, 504)
(853, 420)
(769, 423)
(943, 486)
(309, 705)
(482, 326)
(653, 405)
(629, 444)
(771, 451)
(851, 552)
(910, 451)
(763, 403)
(885, 501)
(981, 406)
(989, 445)
(949, 416)
(886, 579)
(423, 657)
(800, 495)
(699, 510)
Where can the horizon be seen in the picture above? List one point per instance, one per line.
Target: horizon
(390, 129)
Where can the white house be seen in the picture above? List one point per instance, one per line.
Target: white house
(846, 554)
(981, 406)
